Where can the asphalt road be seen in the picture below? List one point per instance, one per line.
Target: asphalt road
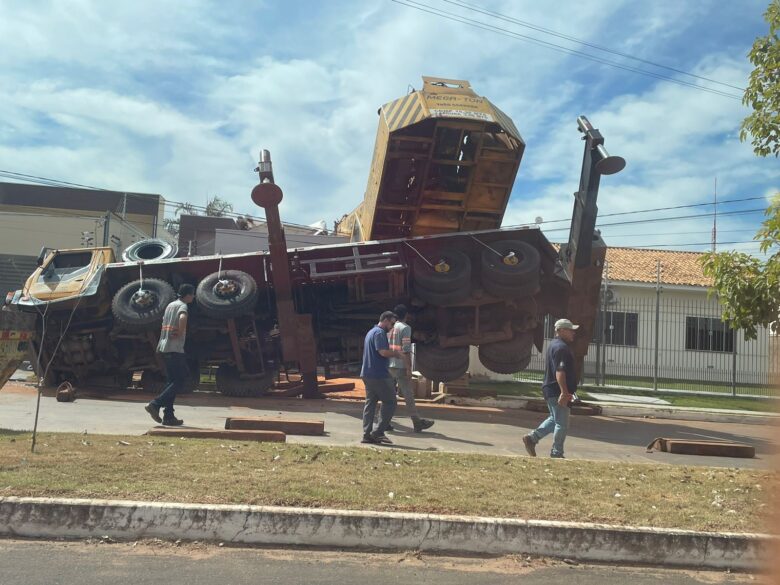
(457, 429)
(90, 563)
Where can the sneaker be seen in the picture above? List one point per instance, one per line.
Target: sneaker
(369, 439)
(530, 445)
(154, 412)
(381, 440)
(557, 456)
(420, 424)
(172, 422)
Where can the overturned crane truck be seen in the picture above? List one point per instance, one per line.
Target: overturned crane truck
(304, 309)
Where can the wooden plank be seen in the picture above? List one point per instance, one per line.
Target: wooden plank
(236, 435)
(286, 426)
(711, 448)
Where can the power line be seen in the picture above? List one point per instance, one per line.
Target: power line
(560, 35)
(555, 47)
(655, 209)
(166, 203)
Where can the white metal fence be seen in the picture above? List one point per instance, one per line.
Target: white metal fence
(676, 343)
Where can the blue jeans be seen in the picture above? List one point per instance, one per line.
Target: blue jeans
(557, 423)
(176, 372)
(378, 390)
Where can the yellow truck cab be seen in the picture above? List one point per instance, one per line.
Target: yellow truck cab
(62, 278)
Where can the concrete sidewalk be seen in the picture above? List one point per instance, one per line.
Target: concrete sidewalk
(270, 525)
(636, 410)
(486, 430)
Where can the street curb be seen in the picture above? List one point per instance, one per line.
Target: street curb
(267, 525)
(634, 411)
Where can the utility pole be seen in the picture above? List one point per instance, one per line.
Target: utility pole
(715, 218)
(657, 321)
(106, 224)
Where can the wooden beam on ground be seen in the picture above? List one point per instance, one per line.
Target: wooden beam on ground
(713, 448)
(326, 387)
(235, 435)
(286, 426)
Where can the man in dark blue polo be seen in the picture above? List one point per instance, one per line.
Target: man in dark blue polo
(376, 378)
(560, 384)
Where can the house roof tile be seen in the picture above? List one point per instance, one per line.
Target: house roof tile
(639, 265)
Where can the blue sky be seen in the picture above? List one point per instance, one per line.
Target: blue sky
(177, 98)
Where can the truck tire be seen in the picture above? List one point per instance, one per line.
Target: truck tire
(505, 367)
(231, 293)
(139, 310)
(434, 357)
(525, 272)
(514, 350)
(151, 249)
(450, 297)
(458, 276)
(229, 383)
(443, 375)
(511, 291)
(152, 382)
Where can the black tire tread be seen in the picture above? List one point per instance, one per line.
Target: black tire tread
(458, 276)
(131, 319)
(526, 271)
(439, 358)
(443, 375)
(505, 367)
(230, 384)
(515, 349)
(214, 307)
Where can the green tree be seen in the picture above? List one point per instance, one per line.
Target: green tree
(215, 207)
(763, 90)
(749, 288)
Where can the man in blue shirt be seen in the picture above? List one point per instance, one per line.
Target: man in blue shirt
(376, 378)
(559, 386)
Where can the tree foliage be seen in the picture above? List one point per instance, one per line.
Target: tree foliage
(763, 90)
(215, 207)
(749, 288)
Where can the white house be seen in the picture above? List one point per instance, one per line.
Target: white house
(658, 321)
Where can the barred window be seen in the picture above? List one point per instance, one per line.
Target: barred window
(621, 328)
(708, 334)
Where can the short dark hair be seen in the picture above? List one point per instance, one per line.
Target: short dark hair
(400, 311)
(185, 290)
(387, 315)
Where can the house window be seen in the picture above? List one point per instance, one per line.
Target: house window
(708, 334)
(621, 328)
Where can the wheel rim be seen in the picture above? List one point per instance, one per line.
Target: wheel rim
(227, 289)
(143, 299)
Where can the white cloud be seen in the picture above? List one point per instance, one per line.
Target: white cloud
(178, 99)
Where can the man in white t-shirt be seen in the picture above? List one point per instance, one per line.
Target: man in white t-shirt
(400, 339)
(171, 348)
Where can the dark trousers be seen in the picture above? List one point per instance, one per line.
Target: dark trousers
(176, 372)
(378, 390)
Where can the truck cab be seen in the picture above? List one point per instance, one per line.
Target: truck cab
(62, 278)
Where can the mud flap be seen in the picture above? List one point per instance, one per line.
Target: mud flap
(16, 333)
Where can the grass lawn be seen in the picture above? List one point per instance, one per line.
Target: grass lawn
(212, 471)
(533, 390)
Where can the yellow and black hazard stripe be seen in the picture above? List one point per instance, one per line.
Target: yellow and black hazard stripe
(404, 111)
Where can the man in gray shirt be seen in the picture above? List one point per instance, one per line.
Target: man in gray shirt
(171, 347)
(400, 339)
